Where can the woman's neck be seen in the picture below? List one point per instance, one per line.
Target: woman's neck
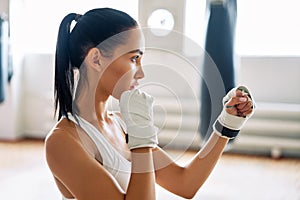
(91, 107)
(91, 110)
(90, 103)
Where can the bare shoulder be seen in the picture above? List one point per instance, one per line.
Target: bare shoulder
(62, 140)
(74, 169)
(63, 131)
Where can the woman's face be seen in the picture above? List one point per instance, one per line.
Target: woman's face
(124, 68)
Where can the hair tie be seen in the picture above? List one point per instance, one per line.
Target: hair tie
(77, 17)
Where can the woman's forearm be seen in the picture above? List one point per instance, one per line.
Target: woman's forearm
(142, 181)
(185, 181)
(198, 170)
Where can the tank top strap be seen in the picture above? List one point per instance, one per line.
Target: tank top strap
(121, 123)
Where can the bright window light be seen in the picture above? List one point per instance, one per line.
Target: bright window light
(268, 27)
(264, 27)
(40, 19)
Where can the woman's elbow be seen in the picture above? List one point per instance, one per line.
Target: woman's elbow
(189, 195)
(187, 192)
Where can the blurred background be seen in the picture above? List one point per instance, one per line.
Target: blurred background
(264, 45)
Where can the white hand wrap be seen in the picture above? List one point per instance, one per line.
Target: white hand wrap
(228, 125)
(137, 111)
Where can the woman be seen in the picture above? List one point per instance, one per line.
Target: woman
(97, 154)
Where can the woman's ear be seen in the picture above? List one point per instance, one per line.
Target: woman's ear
(93, 59)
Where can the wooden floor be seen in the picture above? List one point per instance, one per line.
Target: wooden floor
(24, 176)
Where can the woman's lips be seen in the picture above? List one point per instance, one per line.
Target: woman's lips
(133, 86)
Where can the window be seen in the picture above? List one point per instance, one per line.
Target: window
(264, 27)
(268, 27)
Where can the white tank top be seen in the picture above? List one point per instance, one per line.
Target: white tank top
(118, 166)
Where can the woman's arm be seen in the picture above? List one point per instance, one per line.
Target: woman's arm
(185, 181)
(137, 111)
(142, 180)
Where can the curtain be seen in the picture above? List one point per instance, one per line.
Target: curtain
(2, 60)
(219, 45)
(5, 57)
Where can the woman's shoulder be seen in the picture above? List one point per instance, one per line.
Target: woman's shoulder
(64, 132)
(63, 128)
(63, 145)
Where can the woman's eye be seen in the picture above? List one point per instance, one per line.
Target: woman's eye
(135, 58)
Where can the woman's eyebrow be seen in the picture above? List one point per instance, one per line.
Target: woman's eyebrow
(136, 51)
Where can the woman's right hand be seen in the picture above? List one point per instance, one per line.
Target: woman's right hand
(136, 109)
(238, 107)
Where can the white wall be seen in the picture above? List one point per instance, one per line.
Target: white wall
(28, 109)
(4, 6)
(11, 114)
(38, 83)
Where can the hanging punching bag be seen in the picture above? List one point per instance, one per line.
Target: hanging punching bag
(219, 45)
(3, 57)
(2, 91)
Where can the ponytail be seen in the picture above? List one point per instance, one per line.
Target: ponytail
(91, 29)
(64, 75)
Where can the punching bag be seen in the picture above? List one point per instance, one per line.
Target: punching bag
(3, 57)
(219, 46)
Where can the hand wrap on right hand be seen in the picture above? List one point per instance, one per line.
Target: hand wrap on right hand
(137, 112)
(229, 125)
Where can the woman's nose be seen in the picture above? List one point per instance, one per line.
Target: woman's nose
(139, 73)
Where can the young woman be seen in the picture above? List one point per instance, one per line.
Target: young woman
(97, 154)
